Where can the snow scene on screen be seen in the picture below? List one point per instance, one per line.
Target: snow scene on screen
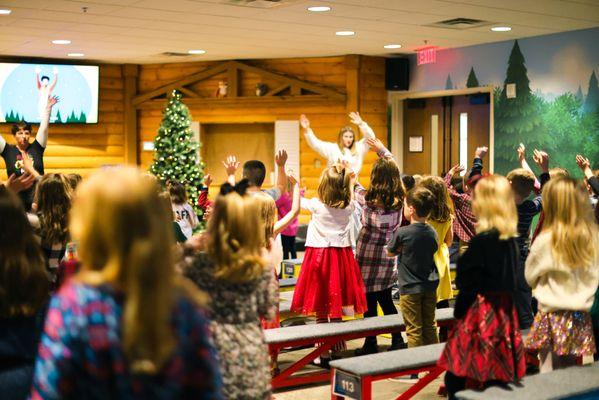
(24, 91)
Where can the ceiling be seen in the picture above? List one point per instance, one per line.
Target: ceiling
(139, 31)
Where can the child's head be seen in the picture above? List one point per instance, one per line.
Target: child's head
(53, 197)
(569, 218)
(522, 181)
(23, 280)
(558, 172)
(268, 213)
(21, 132)
(178, 192)
(334, 187)
(495, 207)
(419, 202)
(408, 182)
(255, 172)
(74, 180)
(347, 139)
(443, 206)
(165, 198)
(236, 237)
(386, 188)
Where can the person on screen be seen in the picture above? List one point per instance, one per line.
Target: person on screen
(13, 154)
(45, 89)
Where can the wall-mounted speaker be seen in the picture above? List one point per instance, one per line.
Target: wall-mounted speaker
(397, 73)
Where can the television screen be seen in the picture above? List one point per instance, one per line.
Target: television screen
(24, 91)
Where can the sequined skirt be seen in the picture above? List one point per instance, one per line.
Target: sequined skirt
(562, 332)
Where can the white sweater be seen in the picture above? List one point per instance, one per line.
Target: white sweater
(329, 227)
(557, 286)
(332, 152)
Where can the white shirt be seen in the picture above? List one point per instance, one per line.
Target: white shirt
(186, 218)
(329, 227)
(332, 152)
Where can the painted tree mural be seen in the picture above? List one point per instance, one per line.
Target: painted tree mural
(448, 83)
(591, 103)
(472, 79)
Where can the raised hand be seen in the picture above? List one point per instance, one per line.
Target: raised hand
(52, 100)
(521, 152)
(585, 165)
(281, 158)
(456, 169)
(231, 164)
(28, 164)
(304, 122)
(481, 152)
(55, 71)
(38, 70)
(355, 118)
(541, 158)
(207, 180)
(18, 184)
(375, 144)
(291, 179)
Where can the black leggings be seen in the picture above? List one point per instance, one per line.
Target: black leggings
(453, 384)
(384, 298)
(288, 243)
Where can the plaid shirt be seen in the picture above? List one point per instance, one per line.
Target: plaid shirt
(378, 270)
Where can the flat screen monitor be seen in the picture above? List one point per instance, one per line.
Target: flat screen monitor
(25, 88)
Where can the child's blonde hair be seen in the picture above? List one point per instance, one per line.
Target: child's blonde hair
(495, 207)
(522, 180)
(236, 237)
(125, 240)
(268, 213)
(334, 187)
(569, 218)
(558, 172)
(443, 206)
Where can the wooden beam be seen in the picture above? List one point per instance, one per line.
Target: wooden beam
(166, 89)
(333, 94)
(130, 73)
(352, 83)
(244, 101)
(233, 81)
(188, 92)
(277, 90)
(296, 90)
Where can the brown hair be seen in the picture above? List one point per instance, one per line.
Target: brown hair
(343, 130)
(26, 126)
(74, 180)
(178, 192)
(494, 206)
(522, 180)
(334, 187)
(443, 206)
(53, 196)
(268, 213)
(422, 200)
(386, 188)
(23, 280)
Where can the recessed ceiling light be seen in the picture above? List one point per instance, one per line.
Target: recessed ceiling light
(345, 33)
(319, 8)
(75, 54)
(392, 46)
(61, 41)
(196, 51)
(501, 28)
(5, 11)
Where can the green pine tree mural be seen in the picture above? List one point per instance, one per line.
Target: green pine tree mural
(72, 117)
(591, 104)
(579, 94)
(58, 119)
(82, 118)
(518, 119)
(472, 79)
(448, 83)
(175, 150)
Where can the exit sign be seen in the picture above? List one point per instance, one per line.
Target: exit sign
(427, 55)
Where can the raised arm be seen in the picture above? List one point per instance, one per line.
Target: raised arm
(524, 164)
(366, 130)
(325, 149)
(295, 208)
(477, 163)
(42, 132)
(53, 84)
(380, 149)
(281, 160)
(38, 84)
(231, 164)
(585, 166)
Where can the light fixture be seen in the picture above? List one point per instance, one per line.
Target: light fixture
(319, 8)
(345, 33)
(197, 51)
(501, 28)
(61, 41)
(5, 11)
(392, 46)
(75, 54)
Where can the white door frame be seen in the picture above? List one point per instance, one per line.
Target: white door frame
(397, 123)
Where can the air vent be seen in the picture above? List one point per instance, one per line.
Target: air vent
(259, 3)
(174, 54)
(460, 23)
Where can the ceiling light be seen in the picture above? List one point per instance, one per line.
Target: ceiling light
(392, 46)
(5, 11)
(501, 28)
(319, 8)
(61, 41)
(345, 33)
(75, 54)
(196, 51)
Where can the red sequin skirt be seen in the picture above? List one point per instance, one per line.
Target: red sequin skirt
(330, 284)
(562, 332)
(486, 344)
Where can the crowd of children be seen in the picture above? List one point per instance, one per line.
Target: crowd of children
(114, 308)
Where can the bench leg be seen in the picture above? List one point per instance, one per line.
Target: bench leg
(284, 378)
(418, 386)
(366, 388)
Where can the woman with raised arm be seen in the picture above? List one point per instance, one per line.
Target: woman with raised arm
(347, 147)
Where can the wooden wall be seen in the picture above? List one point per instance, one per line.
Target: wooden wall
(82, 148)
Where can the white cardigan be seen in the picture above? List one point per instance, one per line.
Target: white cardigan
(332, 152)
(557, 286)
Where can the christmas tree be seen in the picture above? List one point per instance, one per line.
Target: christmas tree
(472, 80)
(175, 150)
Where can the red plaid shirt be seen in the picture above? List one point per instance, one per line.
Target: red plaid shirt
(464, 222)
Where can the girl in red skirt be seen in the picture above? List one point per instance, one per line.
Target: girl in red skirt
(485, 344)
(330, 282)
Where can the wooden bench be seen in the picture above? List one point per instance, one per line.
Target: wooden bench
(353, 377)
(326, 336)
(287, 284)
(578, 382)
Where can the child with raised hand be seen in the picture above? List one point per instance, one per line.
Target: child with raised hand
(418, 277)
(563, 272)
(485, 344)
(330, 283)
(285, 206)
(255, 172)
(185, 215)
(382, 205)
